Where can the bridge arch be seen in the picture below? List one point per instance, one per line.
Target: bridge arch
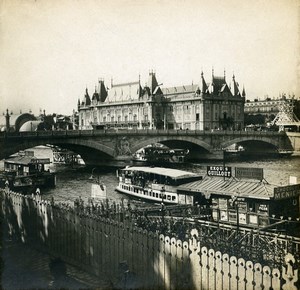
(89, 144)
(76, 145)
(161, 139)
(242, 139)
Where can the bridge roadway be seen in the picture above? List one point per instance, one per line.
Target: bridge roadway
(100, 145)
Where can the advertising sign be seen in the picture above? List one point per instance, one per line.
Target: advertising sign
(223, 215)
(250, 173)
(220, 171)
(286, 191)
(253, 219)
(223, 203)
(242, 218)
(40, 161)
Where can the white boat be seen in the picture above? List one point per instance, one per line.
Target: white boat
(156, 184)
(158, 154)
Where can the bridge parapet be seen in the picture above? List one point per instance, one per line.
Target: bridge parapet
(90, 133)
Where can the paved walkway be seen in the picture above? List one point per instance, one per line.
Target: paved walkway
(26, 268)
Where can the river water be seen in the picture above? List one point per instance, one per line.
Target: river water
(74, 182)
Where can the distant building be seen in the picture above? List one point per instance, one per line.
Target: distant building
(31, 126)
(264, 111)
(13, 122)
(202, 106)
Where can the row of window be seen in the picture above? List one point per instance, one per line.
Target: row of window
(151, 193)
(262, 109)
(257, 104)
(118, 119)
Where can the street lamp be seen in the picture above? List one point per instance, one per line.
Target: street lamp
(162, 206)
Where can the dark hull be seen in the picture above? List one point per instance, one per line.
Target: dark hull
(28, 184)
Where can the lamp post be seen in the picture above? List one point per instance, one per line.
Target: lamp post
(163, 208)
(224, 155)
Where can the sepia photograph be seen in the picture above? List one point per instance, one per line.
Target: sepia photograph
(149, 144)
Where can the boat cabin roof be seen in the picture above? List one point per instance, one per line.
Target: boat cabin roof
(170, 172)
(231, 187)
(27, 160)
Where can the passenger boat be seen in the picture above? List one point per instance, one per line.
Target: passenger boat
(25, 171)
(158, 153)
(66, 157)
(285, 153)
(155, 184)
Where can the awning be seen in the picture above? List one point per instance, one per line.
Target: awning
(230, 187)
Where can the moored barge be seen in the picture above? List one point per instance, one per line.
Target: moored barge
(246, 199)
(25, 171)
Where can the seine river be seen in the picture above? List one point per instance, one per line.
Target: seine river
(74, 182)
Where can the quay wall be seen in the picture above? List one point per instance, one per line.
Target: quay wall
(133, 257)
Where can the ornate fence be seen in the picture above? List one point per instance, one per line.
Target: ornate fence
(134, 257)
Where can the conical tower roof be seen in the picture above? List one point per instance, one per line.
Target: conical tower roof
(203, 86)
(234, 87)
(87, 99)
(102, 91)
(152, 82)
(243, 92)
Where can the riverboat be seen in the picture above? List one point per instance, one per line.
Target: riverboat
(24, 171)
(158, 153)
(285, 153)
(66, 157)
(155, 184)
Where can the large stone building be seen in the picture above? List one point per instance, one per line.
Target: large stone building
(202, 106)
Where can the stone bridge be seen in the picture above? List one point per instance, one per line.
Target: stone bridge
(100, 145)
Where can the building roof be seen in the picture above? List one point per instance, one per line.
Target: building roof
(179, 90)
(203, 86)
(95, 96)
(102, 91)
(218, 85)
(30, 126)
(124, 92)
(235, 87)
(152, 82)
(175, 173)
(231, 187)
(25, 160)
(86, 99)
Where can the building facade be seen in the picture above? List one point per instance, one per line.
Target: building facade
(202, 106)
(264, 111)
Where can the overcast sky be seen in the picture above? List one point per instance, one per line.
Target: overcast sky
(51, 50)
